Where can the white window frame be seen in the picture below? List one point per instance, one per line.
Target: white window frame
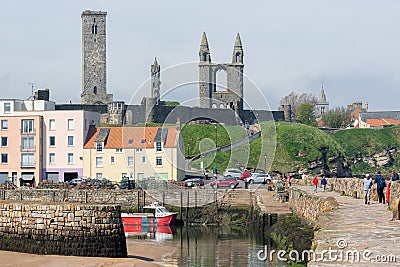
(29, 144)
(139, 150)
(70, 158)
(52, 158)
(99, 175)
(144, 159)
(50, 137)
(112, 160)
(159, 159)
(70, 124)
(52, 124)
(158, 146)
(7, 107)
(4, 138)
(118, 150)
(131, 161)
(29, 160)
(27, 126)
(4, 125)
(99, 162)
(70, 137)
(4, 162)
(99, 147)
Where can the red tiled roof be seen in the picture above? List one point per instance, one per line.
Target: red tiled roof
(132, 137)
(382, 122)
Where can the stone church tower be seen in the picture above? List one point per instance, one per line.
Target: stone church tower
(230, 97)
(94, 76)
(322, 106)
(155, 80)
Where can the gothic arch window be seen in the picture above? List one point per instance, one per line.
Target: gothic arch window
(95, 90)
(222, 106)
(221, 80)
(205, 57)
(214, 105)
(94, 29)
(238, 57)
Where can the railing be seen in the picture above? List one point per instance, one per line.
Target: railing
(25, 164)
(33, 132)
(29, 148)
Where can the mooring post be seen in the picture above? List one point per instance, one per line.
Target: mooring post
(180, 209)
(187, 208)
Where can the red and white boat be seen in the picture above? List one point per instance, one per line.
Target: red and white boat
(158, 216)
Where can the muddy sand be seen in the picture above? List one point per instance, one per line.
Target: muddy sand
(140, 253)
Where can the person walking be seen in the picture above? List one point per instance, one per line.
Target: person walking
(315, 183)
(367, 188)
(380, 185)
(324, 182)
(289, 182)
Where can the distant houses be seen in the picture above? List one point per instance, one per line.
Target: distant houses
(39, 143)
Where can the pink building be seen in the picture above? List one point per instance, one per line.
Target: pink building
(41, 143)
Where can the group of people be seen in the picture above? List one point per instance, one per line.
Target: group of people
(380, 187)
(324, 182)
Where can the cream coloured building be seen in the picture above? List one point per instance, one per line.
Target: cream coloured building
(134, 152)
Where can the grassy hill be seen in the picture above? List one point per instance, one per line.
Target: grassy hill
(285, 147)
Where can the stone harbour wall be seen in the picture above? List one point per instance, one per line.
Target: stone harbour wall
(62, 229)
(309, 207)
(354, 187)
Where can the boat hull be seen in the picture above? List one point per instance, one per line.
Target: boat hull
(137, 220)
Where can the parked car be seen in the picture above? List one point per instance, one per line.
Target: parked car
(245, 174)
(194, 182)
(232, 172)
(76, 181)
(263, 178)
(227, 181)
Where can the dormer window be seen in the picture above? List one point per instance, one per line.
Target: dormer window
(130, 141)
(99, 146)
(7, 107)
(158, 146)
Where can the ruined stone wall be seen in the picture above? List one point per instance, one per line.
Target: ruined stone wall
(62, 229)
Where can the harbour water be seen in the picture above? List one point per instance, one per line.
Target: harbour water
(211, 245)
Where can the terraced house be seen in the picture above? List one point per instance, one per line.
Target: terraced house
(41, 143)
(134, 152)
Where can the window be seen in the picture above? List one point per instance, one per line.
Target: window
(70, 158)
(112, 160)
(27, 160)
(27, 126)
(27, 143)
(52, 158)
(70, 124)
(99, 175)
(52, 140)
(52, 124)
(4, 124)
(99, 161)
(7, 107)
(130, 141)
(144, 159)
(139, 149)
(70, 140)
(4, 141)
(4, 158)
(158, 161)
(158, 146)
(118, 150)
(99, 146)
(130, 161)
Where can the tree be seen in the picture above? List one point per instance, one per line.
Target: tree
(305, 114)
(172, 103)
(336, 118)
(296, 100)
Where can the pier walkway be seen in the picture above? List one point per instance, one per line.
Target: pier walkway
(355, 227)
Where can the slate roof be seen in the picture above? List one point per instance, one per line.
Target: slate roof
(379, 115)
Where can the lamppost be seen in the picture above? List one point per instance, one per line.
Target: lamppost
(265, 162)
(216, 136)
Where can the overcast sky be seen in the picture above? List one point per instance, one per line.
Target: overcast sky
(351, 45)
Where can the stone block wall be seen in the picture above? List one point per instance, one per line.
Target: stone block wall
(354, 187)
(309, 207)
(62, 229)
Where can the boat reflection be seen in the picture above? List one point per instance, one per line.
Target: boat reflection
(158, 233)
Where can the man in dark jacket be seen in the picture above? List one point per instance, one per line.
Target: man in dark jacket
(380, 185)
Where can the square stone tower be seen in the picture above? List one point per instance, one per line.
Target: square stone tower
(94, 73)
